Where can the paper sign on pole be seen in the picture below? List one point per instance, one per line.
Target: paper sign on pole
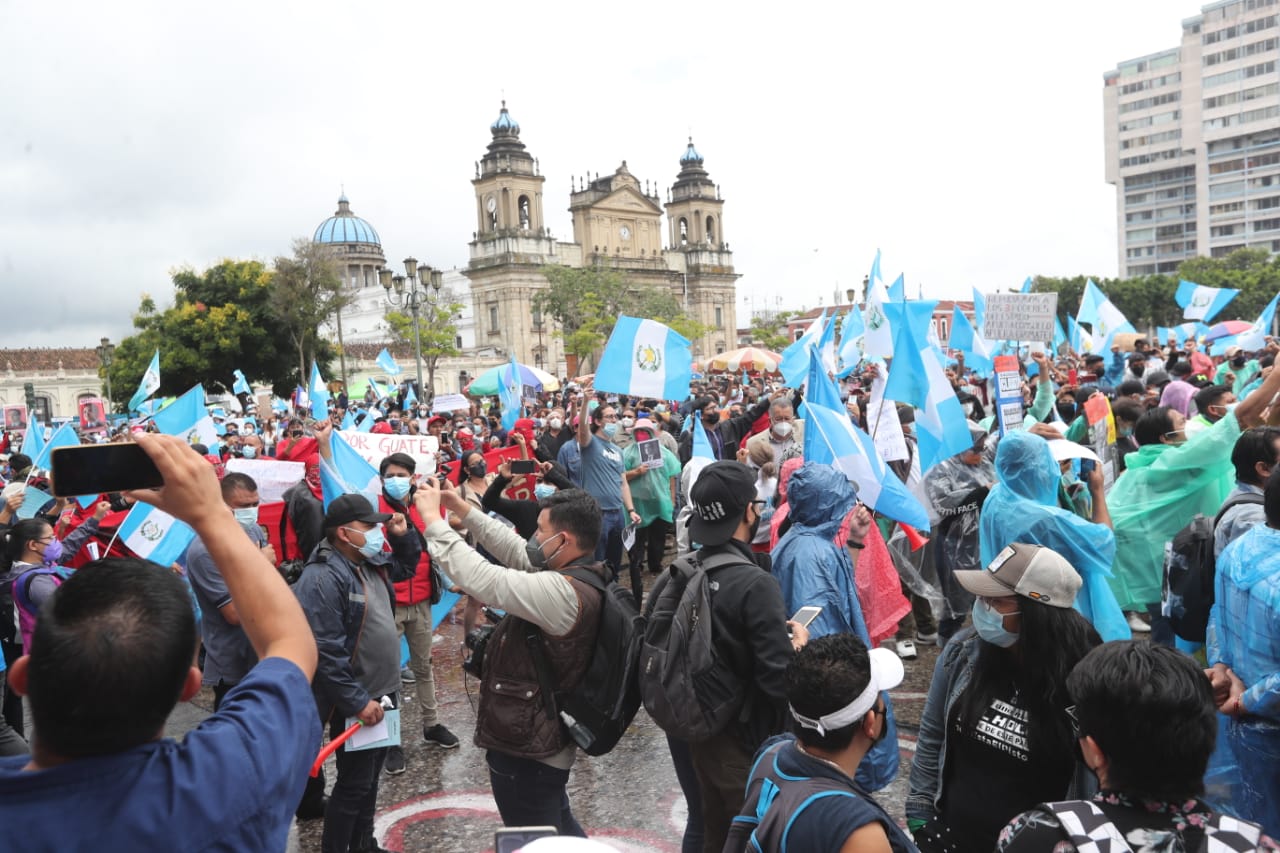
(374, 447)
(1020, 316)
(450, 403)
(1009, 404)
(886, 427)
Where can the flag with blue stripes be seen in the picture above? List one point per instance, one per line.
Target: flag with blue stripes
(1256, 338)
(154, 535)
(898, 290)
(63, 436)
(1026, 285)
(387, 363)
(318, 393)
(510, 392)
(1202, 303)
(1180, 332)
(241, 385)
(794, 364)
(645, 358)
(33, 441)
(969, 342)
(852, 330)
(150, 383)
(1101, 315)
(188, 418)
(347, 473)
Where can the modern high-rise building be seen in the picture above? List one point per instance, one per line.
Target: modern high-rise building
(1193, 140)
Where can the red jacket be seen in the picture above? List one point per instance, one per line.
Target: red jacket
(418, 588)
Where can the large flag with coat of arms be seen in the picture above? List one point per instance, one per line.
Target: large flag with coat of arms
(154, 535)
(644, 358)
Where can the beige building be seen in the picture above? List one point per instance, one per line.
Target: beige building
(1193, 140)
(617, 224)
(60, 378)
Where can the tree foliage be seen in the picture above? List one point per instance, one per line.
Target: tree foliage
(771, 329)
(306, 291)
(437, 331)
(586, 303)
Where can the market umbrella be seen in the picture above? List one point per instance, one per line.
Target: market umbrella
(487, 383)
(1226, 329)
(753, 359)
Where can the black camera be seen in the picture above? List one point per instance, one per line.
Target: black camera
(477, 641)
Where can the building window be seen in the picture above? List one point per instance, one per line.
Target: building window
(711, 231)
(684, 231)
(524, 212)
(719, 317)
(493, 319)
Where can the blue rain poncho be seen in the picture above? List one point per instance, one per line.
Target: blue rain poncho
(813, 570)
(1161, 490)
(1023, 507)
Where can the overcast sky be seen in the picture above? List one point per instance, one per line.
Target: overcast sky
(964, 140)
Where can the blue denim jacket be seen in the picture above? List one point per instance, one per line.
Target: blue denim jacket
(951, 676)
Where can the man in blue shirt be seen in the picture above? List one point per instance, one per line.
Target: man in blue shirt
(112, 655)
(602, 478)
(1244, 636)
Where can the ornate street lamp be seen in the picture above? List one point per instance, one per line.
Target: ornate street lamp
(424, 285)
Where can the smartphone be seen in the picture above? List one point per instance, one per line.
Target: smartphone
(524, 466)
(1072, 376)
(511, 839)
(806, 615)
(92, 469)
(1086, 468)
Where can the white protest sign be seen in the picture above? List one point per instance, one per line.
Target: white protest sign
(374, 448)
(450, 403)
(272, 476)
(886, 427)
(1020, 316)
(1009, 393)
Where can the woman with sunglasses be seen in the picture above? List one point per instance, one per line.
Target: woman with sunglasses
(995, 738)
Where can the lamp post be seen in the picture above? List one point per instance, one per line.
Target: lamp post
(424, 285)
(106, 350)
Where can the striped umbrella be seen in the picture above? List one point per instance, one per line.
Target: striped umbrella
(752, 359)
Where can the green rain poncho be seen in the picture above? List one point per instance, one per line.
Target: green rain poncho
(1162, 488)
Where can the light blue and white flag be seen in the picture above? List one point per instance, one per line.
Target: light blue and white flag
(33, 441)
(1081, 340)
(241, 385)
(1202, 303)
(154, 535)
(794, 364)
(187, 417)
(1180, 332)
(898, 290)
(318, 394)
(819, 389)
(827, 345)
(916, 377)
(644, 358)
(378, 391)
(830, 437)
(1256, 338)
(851, 337)
(63, 436)
(348, 421)
(410, 396)
(1026, 285)
(1059, 335)
(979, 309)
(278, 405)
(969, 342)
(877, 341)
(366, 423)
(387, 363)
(347, 473)
(1102, 316)
(702, 455)
(511, 387)
(150, 383)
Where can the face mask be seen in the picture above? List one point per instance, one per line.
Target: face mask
(711, 418)
(373, 541)
(1238, 361)
(249, 452)
(533, 549)
(422, 413)
(782, 429)
(628, 422)
(990, 625)
(543, 490)
(396, 487)
(610, 429)
(555, 423)
(478, 469)
(246, 515)
(723, 399)
(1125, 432)
(1067, 411)
(755, 527)
(1137, 369)
(52, 553)
(968, 409)
(660, 408)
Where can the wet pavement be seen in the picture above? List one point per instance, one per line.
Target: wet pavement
(629, 798)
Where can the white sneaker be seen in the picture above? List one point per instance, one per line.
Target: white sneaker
(906, 650)
(1137, 625)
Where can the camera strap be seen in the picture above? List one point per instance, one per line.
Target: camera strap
(533, 638)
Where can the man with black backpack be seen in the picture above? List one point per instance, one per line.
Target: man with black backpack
(718, 684)
(541, 658)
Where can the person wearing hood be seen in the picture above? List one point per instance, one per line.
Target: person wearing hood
(1023, 507)
(653, 493)
(1167, 481)
(813, 571)
(956, 488)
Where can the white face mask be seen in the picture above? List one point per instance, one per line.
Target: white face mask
(628, 422)
(555, 423)
(968, 408)
(782, 429)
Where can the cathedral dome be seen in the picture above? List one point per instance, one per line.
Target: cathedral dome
(505, 123)
(345, 227)
(691, 154)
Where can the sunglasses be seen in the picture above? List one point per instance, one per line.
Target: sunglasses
(297, 433)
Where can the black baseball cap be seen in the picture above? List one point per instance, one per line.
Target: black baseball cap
(349, 508)
(719, 497)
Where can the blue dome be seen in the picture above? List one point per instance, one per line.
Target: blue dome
(691, 154)
(505, 122)
(345, 227)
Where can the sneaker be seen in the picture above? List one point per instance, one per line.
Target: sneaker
(906, 650)
(1137, 625)
(440, 736)
(394, 764)
(407, 676)
(928, 639)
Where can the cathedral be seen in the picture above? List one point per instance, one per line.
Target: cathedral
(617, 225)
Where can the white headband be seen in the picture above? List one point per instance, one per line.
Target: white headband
(849, 714)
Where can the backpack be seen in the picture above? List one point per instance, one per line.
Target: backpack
(1189, 570)
(599, 708)
(687, 689)
(1091, 831)
(27, 609)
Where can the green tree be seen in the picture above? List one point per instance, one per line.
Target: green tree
(771, 330)
(654, 304)
(221, 320)
(437, 333)
(585, 304)
(305, 292)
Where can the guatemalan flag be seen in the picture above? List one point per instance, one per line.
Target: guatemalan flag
(154, 535)
(241, 385)
(794, 364)
(644, 358)
(387, 363)
(150, 383)
(347, 472)
(966, 339)
(1102, 316)
(187, 417)
(63, 436)
(1202, 303)
(318, 393)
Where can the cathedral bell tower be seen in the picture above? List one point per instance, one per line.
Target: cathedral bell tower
(508, 186)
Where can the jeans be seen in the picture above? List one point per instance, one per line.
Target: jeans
(530, 793)
(723, 766)
(349, 815)
(414, 623)
(682, 759)
(1256, 746)
(609, 547)
(650, 545)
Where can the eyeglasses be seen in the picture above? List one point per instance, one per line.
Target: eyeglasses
(1074, 721)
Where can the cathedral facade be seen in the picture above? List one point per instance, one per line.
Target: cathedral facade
(617, 225)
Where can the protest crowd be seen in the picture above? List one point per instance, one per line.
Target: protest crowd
(1089, 530)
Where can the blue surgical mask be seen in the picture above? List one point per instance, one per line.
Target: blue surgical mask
(396, 487)
(373, 541)
(610, 429)
(543, 490)
(246, 515)
(249, 452)
(989, 623)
